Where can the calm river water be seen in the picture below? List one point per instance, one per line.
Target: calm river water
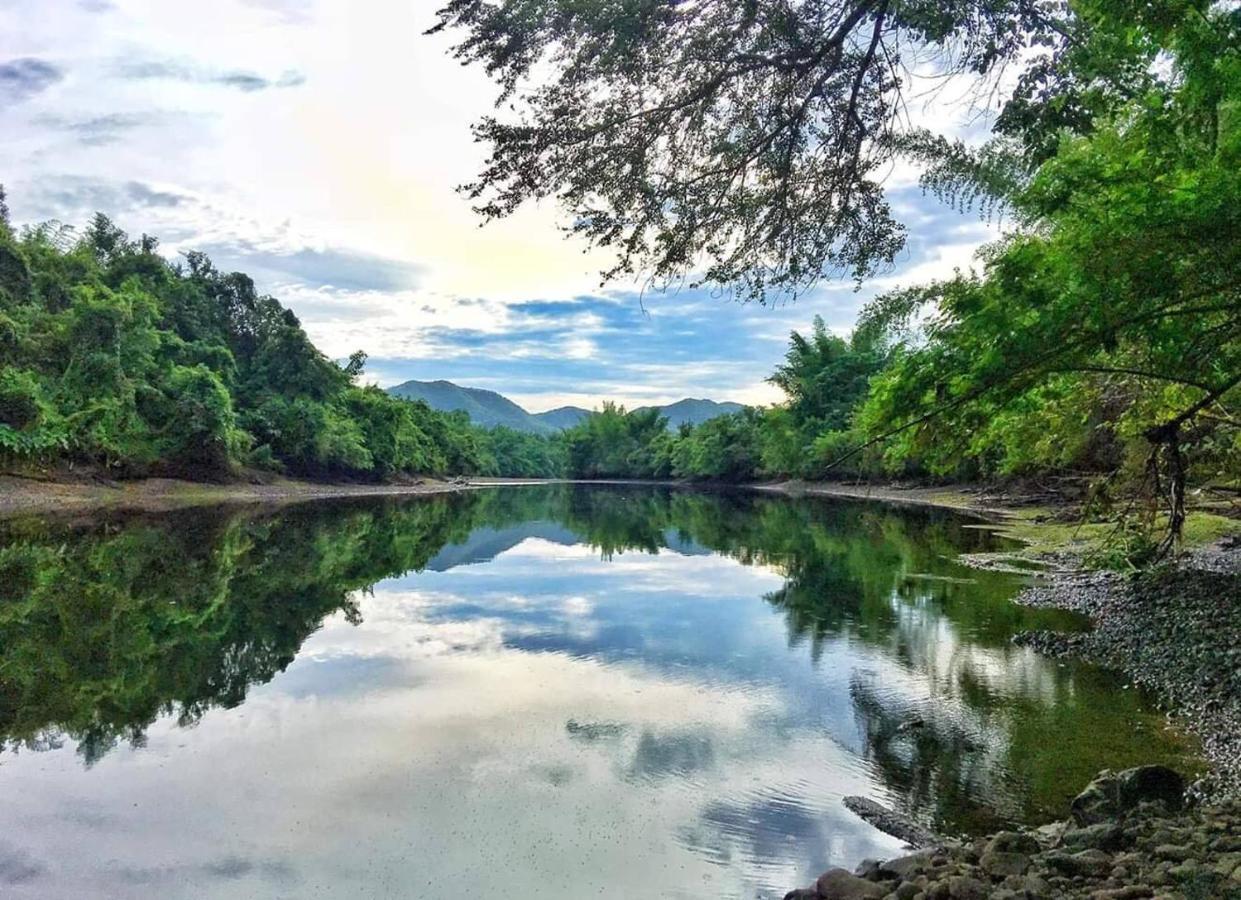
(535, 692)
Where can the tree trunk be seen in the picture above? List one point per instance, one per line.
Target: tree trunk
(1167, 466)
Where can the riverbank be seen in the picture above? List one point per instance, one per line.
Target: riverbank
(20, 495)
(1175, 631)
(1129, 836)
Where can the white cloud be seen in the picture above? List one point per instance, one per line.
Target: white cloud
(317, 146)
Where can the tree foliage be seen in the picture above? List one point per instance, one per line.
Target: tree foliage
(740, 143)
(113, 356)
(1117, 307)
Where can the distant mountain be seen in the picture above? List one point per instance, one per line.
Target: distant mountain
(695, 412)
(485, 408)
(489, 409)
(562, 416)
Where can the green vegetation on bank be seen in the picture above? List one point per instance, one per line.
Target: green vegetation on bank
(1101, 336)
(111, 355)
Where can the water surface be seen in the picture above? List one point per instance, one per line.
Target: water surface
(523, 692)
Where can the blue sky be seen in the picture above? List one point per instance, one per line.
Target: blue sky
(316, 146)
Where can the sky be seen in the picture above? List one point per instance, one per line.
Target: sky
(317, 146)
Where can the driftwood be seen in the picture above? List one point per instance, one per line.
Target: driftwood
(893, 823)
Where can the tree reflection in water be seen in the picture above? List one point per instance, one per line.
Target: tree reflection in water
(106, 627)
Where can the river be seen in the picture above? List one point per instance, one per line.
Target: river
(541, 691)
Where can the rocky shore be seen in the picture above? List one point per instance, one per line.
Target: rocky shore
(1176, 631)
(1130, 835)
(1135, 834)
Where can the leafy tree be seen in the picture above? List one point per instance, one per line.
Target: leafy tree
(201, 426)
(824, 376)
(744, 143)
(1125, 285)
(613, 443)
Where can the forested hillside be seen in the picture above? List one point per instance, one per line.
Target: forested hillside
(114, 357)
(693, 411)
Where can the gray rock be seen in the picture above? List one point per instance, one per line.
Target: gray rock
(1051, 833)
(1104, 836)
(999, 864)
(1036, 886)
(1085, 863)
(963, 887)
(906, 890)
(802, 894)
(1114, 793)
(891, 822)
(868, 869)
(906, 867)
(1174, 852)
(1227, 864)
(841, 884)
(1012, 842)
(1186, 870)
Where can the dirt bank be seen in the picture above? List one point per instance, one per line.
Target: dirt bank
(964, 498)
(21, 495)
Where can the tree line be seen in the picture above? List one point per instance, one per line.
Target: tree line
(112, 356)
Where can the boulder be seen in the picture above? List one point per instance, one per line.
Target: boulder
(1104, 836)
(907, 890)
(869, 869)
(999, 864)
(906, 867)
(1174, 852)
(963, 887)
(1086, 863)
(841, 884)
(1112, 794)
(1012, 842)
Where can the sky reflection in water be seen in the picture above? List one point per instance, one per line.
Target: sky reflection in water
(535, 692)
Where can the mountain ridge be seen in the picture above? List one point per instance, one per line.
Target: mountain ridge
(490, 409)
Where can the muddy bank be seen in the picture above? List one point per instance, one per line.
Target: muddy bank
(29, 496)
(966, 498)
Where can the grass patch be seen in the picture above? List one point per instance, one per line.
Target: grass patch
(1204, 528)
(1037, 528)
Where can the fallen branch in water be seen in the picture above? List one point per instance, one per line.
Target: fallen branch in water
(891, 822)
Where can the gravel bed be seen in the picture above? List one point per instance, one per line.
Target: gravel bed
(1177, 632)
